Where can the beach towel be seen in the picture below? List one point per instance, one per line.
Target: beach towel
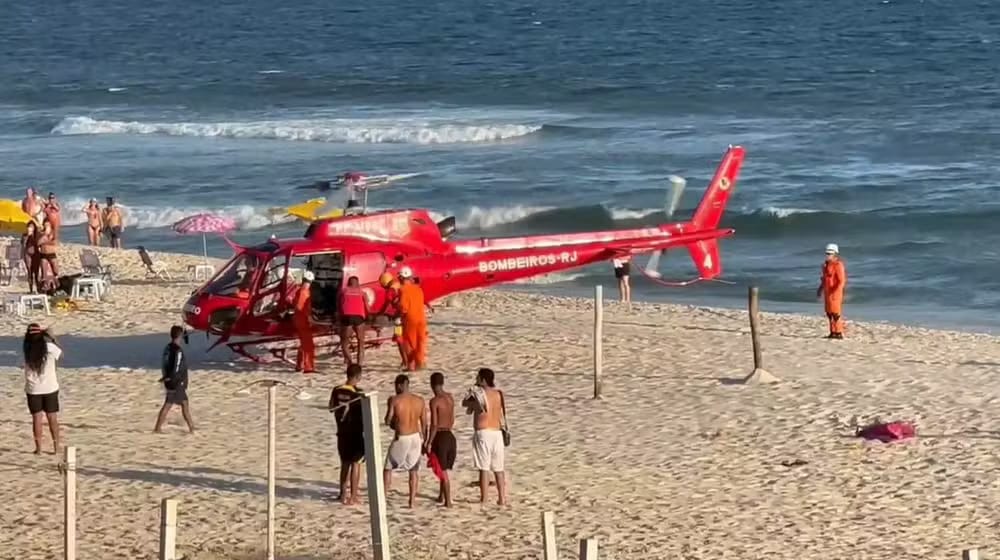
(888, 431)
(479, 394)
(435, 465)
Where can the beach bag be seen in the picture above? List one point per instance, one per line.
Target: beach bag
(504, 429)
(887, 431)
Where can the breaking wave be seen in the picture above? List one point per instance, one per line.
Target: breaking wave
(765, 222)
(343, 131)
(151, 217)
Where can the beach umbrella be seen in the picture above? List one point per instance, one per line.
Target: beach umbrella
(204, 224)
(12, 218)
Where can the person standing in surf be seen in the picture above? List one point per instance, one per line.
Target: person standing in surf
(33, 206)
(53, 213)
(95, 223)
(623, 267)
(114, 223)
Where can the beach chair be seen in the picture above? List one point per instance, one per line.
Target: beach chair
(154, 269)
(12, 266)
(90, 263)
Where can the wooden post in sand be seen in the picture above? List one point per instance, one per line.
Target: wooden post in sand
(588, 549)
(272, 390)
(759, 374)
(549, 536)
(971, 554)
(753, 304)
(168, 529)
(598, 336)
(373, 466)
(69, 521)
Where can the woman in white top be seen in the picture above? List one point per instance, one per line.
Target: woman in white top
(40, 383)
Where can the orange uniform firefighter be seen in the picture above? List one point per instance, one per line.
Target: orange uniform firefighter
(831, 289)
(391, 309)
(411, 309)
(302, 319)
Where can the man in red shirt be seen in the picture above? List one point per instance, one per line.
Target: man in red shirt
(353, 316)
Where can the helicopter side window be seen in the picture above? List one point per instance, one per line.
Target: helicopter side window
(367, 267)
(236, 278)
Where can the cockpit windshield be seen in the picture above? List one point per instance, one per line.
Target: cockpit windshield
(236, 280)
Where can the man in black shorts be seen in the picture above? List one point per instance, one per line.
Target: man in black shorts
(345, 404)
(175, 380)
(114, 222)
(441, 440)
(354, 312)
(622, 269)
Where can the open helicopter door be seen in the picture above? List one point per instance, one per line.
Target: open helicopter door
(328, 269)
(269, 302)
(267, 298)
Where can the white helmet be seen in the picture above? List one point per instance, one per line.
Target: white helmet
(405, 272)
(308, 276)
(832, 249)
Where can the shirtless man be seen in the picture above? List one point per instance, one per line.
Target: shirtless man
(441, 440)
(487, 440)
(33, 206)
(407, 416)
(53, 214)
(94, 222)
(114, 224)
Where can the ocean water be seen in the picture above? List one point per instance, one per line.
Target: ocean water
(873, 124)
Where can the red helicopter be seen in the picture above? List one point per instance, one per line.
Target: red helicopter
(251, 295)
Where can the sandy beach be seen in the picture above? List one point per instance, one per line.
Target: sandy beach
(676, 461)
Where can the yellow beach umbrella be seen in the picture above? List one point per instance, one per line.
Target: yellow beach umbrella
(12, 218)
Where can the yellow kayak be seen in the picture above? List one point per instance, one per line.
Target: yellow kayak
(307, 211)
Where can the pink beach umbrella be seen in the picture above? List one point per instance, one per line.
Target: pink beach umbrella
(204, 224)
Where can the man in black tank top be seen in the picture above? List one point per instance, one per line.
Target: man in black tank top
(345, 404)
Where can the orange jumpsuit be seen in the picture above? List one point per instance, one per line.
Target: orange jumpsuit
(392, 303)
(411, 307)
(833, 280)
(306, 361)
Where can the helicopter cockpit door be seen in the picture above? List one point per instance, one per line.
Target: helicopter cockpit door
(269, 301)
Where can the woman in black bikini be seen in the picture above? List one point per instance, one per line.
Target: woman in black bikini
(29, 253)
(49, 271)
(95, 223)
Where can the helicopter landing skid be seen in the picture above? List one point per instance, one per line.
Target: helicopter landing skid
(282, 347)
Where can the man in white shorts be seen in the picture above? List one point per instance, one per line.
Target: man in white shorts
(488, 446)
(406, 414)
